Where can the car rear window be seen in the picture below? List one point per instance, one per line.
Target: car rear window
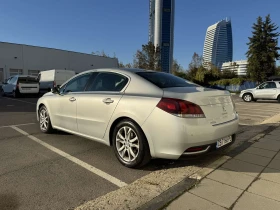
(165, 80)
(29, 80)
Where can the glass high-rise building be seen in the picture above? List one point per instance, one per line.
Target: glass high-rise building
(218, 47)
(161, 30)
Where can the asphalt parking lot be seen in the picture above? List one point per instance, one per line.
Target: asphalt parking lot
(56, 171)
(254, 113)
(61, 171)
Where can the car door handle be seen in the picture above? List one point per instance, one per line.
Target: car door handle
(108, 101)
(72, 99)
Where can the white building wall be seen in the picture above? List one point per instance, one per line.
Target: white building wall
(25, 58)
(240, 68)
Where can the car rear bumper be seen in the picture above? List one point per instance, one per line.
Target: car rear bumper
(169, 137)
(29, 92)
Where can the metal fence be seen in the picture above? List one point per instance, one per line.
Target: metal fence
(237, 88)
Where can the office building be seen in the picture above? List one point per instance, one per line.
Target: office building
(239, 67)
(161, 30)
(16, 59)
(218, 47)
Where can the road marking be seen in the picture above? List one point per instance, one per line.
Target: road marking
(262, 103)
(252, 115)
(20, 101)
(259, 107)
(7, 126)
(90, 168)
(258, 110)
(248, 111)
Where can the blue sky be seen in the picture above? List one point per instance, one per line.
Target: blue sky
(121, 26)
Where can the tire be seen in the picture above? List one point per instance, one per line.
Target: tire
(125, 156)
(16, 94)
(278, 99)
(247, 97)
(2, 92)
(46, 126)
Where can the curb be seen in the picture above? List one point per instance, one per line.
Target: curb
(182, 187)
(159, 188)
(166, 198)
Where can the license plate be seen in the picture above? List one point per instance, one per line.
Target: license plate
(224, 141)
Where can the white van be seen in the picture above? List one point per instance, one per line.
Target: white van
(52, 78)
(20, 85)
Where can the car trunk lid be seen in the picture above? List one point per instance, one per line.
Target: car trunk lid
(217, 105)
(28, 84)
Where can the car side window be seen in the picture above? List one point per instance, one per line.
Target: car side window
(264, 86)
(8, 80)
(12, 80)
(77, 84)
(107, 81)
(272, 85)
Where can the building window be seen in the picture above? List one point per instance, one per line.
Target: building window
(33, 72)
(14, 72)
(166, 9)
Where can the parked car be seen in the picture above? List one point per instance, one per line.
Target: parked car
(141, 114)
(20, 85)
(51, 78)
(268, 91)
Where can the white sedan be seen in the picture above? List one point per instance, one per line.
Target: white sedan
(141, 114)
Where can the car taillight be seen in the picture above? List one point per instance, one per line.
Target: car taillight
(181, 108)
(17, 85)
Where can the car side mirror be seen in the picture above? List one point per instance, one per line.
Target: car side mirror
(55, 90)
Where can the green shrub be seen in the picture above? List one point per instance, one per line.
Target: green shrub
(227, 82)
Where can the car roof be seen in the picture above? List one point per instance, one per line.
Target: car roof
(118, 70)
(26, 76)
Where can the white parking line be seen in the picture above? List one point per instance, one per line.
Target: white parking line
(20, 101)
(90, 168)
(258, 110)
(252, 115)
(260, 104)
(7, 126)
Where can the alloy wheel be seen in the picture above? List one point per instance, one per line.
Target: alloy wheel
(44, 119)
(248, 98)
(127, 144)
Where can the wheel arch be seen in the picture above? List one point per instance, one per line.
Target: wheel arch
(246, 93)
(38, 109)
(278, 98)
(119, 119)
(40, 104)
